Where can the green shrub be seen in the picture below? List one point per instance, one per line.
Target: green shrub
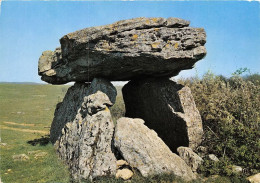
(230, 111)
(254, 78)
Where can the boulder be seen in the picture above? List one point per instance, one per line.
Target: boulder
(144, 150)
(85, 143)
(67, 110)
(3, 144)
(124, 50)
(40, 155)
(213, 157)
(121, 163)
(254, 178)
(20, 157)
(190, 157)
(202, 151)
(124, 173)
(166, 107)
(236, 169)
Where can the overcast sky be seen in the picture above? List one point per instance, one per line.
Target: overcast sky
(27, 28)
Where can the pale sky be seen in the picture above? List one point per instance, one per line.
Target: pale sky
(27, 28)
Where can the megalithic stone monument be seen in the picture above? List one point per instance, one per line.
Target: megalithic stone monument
(146, 51)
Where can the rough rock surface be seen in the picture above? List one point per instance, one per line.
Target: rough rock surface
(125, 50)
(40, 155)
(236, 169)
(67, 110)
(166, 107)
(213, 157)
(121, 163)
(254, 178)
(190, 157)
(144, 150)
(124, 173)
(202, 151)
(20, 157)
(85, 144)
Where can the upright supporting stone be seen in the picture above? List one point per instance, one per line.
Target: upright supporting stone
(66, 111)
(166, 107)
(82, 130)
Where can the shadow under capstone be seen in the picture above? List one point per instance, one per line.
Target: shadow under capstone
(159, 102)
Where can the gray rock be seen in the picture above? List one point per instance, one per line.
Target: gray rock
(237, 169)
(213, 157)
(254, 178)
(125, 50)
(85, 144)
(124, 173)
(166, 107)
(121, 163)
(40, 155)
(144, 150)
(202, 151)
(66, 111)
(124, 170)
(100, 84)
(48, 60)
(190, 157)
(20, 157)
(3, 144)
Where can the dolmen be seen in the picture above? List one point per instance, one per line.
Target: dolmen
(161, 115)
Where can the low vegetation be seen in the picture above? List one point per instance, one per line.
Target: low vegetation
(26, 112)
(229, 108)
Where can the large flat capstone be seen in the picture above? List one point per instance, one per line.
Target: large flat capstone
(125, 50)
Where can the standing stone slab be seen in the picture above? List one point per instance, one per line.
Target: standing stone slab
(84, 141)
(167, 107)
(66, 111)
(144, 150)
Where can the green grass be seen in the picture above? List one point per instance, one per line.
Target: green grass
(33, 105)
(24, 108)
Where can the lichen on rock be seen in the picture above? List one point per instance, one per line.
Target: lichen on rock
(144, 150)
(84, 142)
(114, 51)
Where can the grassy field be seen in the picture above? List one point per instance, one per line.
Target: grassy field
(26, 113)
